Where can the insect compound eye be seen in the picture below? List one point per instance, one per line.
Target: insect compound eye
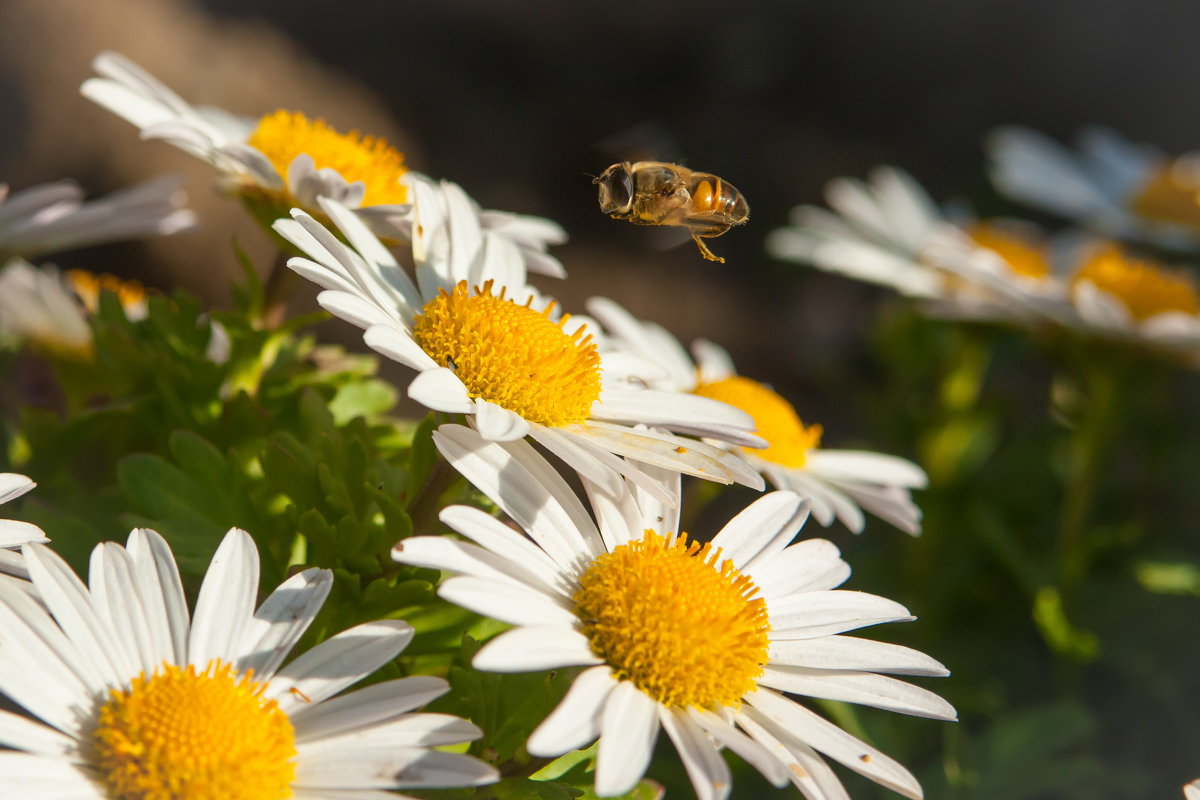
(616, 189)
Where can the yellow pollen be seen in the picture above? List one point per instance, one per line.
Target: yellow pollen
(788, 440)
(1023, 254)
(665, 617)
(1145, 287)
(283, 135)
(511, 355)
(87, 287)
(1171, 194)
(183, 735)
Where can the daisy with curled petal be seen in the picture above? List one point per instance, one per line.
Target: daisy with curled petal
(840, 484)
(702, 641)
(53, 216)
(130, 699)
(281, 160)
(487, 345)
(1108, 183)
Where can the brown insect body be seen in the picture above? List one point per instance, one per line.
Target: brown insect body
(661, 193)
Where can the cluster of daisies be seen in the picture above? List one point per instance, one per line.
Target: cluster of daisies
(123, 692)
(1102, 277)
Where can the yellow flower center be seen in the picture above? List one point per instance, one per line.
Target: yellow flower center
(1171, 193)
(511, 355)
(788, 440)
(283, 135)
(1145, 287)
(1023, 254)
(183, 735)
(87, 287)
(667, 619)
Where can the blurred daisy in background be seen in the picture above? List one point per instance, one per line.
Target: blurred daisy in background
(1109, 184)
(54, 216)
(487, 345)
(840, 484)
(1192, 790)
(702, 641)
(883, 231)
(49, 310)
(129, 698)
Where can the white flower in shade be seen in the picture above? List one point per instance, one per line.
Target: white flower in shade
(1108, 183)
(54, 217)
(486, 344)
(130, 699)
(704, 642)
(1192, 790)
(42, 306)
(14, 533)
(840, 484)
(889, 231)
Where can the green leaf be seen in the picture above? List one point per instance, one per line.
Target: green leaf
(1063, 637)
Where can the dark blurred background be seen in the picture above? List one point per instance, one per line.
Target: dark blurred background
(520, 101)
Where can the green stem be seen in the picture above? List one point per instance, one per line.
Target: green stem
(280, 285)
(1089, 448)
(425, 505)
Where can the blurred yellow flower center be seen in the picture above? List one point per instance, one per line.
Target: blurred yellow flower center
(283, 135)
(1143, 286)
(1171, 193)
(183, 735)
(665, 617)
(511, 355)
(1023, 254)
(788, 440)
(87, 287)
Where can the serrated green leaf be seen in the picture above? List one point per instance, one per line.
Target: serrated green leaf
(423, 455)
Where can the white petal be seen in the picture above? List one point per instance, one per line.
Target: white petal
(116, 594)
(575, 722)
(705, 767)
(498, 424)
(46, 778)
(810, 774)
(851, 653)
(22, 733)
(408, 730)
(536, 648)
(864, 688)
(398, 344)
(807, 566)
(226, 600)
(831, 740)
(751, 751)
(162, 592)
(365, 707)
(13, 486)
(810, 614)
(14, 533)
(391, 768)
(507, 601)
(629, 728)
(338, 662)
(862, 465)
(438, 388)
(764, 527)
(281, 620)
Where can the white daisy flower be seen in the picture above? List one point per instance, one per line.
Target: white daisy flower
(54, 216)
(1192, 790)
(486, 345)
(131, 699)
(1108, 183)
(1094, 287)
(886, 230)
(42, 306)
(284, 160)
(702, 641)
(14, 533)
(840, 484)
